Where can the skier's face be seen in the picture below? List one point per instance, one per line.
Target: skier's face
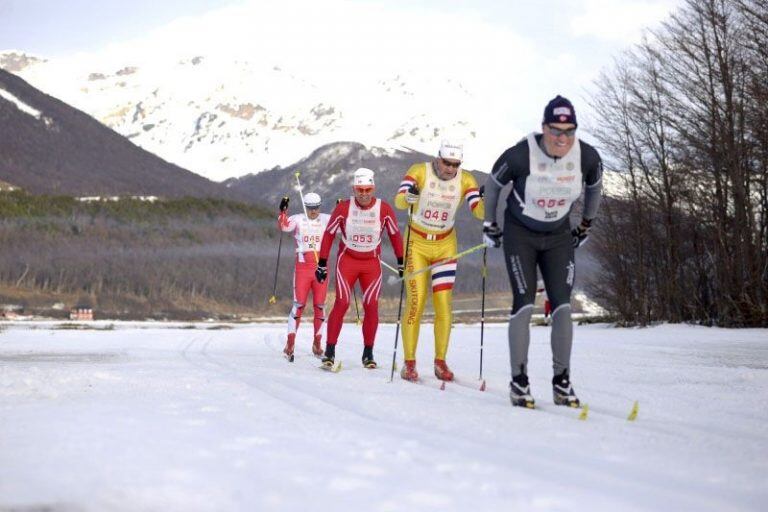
(313, 213)
(558, 138)
(447, 169)
(364, 194)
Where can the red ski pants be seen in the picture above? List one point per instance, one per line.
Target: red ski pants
(304, 281)
(349, 270)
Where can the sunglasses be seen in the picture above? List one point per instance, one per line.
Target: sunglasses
(454, 165)
(364, 190)
(556, 132)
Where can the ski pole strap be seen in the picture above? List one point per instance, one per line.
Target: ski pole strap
(443, 261)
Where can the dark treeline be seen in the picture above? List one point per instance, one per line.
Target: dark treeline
(684, 118)
(182, 258)
(133, 258)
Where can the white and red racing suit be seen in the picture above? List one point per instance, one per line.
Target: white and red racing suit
(308, 234)
(359, 260)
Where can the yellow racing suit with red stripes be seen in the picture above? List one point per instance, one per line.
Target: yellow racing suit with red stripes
(433, 238)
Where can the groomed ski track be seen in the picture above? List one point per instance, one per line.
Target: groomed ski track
(154, 417)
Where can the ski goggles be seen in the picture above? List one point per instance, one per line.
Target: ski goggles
(448, 163)
(556, 132)
(364, 189)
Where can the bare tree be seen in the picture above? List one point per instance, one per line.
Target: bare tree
(683, 118)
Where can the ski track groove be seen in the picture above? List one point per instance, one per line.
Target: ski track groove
(553, 464)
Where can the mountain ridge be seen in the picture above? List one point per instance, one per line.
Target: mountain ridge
(51, 147)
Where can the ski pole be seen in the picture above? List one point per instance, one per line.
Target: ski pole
(393, 279)
(273, 298)
(482, 310)
(357, 308)
(390, 267)
(402, 290)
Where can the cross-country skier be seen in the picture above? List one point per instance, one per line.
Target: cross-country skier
(435, 191)
(360, 220)
(547, 172)
(308, 232)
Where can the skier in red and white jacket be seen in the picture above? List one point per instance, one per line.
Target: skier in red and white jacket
(360, 220)
(308, 232)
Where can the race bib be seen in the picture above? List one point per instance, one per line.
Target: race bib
(363, 227)
(553, 184)
(438, 202)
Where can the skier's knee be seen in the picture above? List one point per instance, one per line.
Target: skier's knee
(297, 309)
(522, 311)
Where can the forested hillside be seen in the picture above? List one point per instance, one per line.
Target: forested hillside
(133, 258)
(186, 258)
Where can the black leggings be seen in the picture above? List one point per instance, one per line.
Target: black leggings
(524, 250)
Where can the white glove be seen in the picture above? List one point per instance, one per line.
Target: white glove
(491, 235)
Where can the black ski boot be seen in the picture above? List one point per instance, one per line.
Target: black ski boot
(562, 391)
(329, 357)
(368, 361)
(520, 392)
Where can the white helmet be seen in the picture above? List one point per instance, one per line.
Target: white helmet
(312, 200)
(451, 150)
(363, 177)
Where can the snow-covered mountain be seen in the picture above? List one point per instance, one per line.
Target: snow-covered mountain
(226, 118)
(48, 147)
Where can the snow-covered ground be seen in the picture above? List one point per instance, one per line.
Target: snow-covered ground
(142, 417)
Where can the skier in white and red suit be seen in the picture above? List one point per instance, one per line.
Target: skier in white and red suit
(360, 220)
(307, 231)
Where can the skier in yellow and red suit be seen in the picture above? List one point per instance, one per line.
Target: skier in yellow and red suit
(435, 191)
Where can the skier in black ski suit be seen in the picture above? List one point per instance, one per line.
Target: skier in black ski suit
(548, 171)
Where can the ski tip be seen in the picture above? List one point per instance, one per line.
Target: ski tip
(442, 386)
(336, 368)
(297, 173)
(482, 386)
(633, 413)
(584, 412)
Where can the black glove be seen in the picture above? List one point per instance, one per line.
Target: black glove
(412, 194)
(491, 234)
(321, 272)
(579, 234)
(400, 267)
(284, 203)
(481, 190)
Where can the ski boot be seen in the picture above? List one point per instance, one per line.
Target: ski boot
(520, 392)
(317, 348)
(562, 391)
(368, 361)
(329, 358)
(289, 344)
(409, 371)
(442, 371)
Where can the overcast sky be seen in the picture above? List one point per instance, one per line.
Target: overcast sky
(57, 28)
(514, 54)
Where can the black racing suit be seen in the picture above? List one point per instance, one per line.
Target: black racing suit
(531, 240)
